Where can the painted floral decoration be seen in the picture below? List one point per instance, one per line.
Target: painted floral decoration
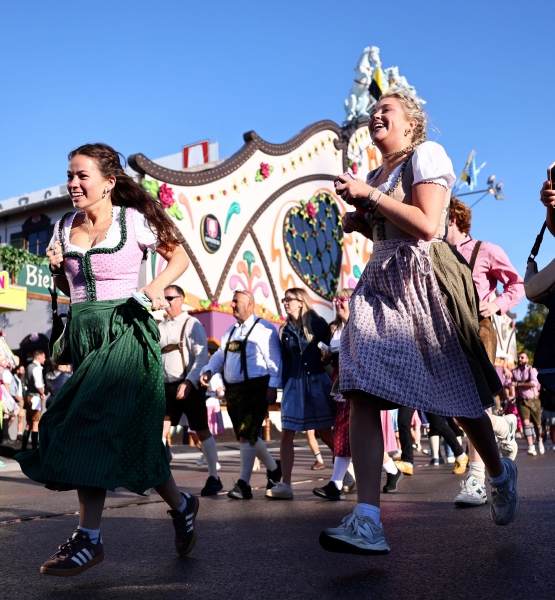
(264, 172)
(313, 243)
(164, 194)
(354, 166)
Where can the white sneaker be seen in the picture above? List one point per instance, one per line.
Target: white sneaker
(541, 448)
(357, 535)
(508, 445)
(473, 493)
(451, 459)
(280, 491)
(532, 450)
(201, 461)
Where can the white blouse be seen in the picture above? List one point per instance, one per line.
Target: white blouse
(144, 234)
(430, 164)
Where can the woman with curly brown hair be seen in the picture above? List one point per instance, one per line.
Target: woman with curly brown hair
(412, 337)
(104, 428)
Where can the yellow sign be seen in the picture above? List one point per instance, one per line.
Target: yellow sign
(4, 282)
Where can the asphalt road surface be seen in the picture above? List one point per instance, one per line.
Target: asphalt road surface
(269, 549)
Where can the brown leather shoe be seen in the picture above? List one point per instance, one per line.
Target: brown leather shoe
(317, 466)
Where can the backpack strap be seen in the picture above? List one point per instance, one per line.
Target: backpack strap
(474, 256)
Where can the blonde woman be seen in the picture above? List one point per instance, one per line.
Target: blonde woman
(412, 337)
(306, 402)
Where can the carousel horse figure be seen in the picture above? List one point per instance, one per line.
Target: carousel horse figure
(359, 102)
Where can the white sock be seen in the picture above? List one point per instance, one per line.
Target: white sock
(248, 454)
(434, 446)
(210, 451)
(264, 456)
(389, 467)
(318, 457)
(340, 467)
(164, 442)
(478, 470)
(351, 469)
(94, 534)
(184, 505)
(500, 427)
(368, 510)
(463, 455)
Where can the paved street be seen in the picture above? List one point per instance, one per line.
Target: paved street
(269, 549)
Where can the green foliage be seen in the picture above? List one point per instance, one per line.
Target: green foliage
(14, 259)
(528, 330)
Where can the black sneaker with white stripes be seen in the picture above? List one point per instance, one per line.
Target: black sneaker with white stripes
(184, 524)
(75, 556)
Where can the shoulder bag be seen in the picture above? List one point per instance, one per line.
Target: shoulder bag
(538, 285)
(59, 346)
(487, 331)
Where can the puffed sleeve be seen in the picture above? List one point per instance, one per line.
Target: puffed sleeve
(144, 234)
(431, 164)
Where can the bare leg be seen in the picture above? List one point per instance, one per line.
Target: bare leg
(311, 439)
(91, 505)
(170, 493)
(365, 429)
(166, 430)
(480, 433)
(287, 454)
(326, 436)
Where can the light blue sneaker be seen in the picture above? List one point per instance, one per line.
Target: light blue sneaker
(504, 498)
(357, 535)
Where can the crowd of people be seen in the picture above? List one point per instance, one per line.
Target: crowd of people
(413, 343)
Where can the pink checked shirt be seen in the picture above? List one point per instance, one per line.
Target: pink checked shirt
(530, 375)
(493, 265)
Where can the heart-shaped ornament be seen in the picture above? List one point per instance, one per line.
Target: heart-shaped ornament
(313, 241)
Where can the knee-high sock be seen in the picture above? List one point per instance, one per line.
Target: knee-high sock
(34, 439)
(210, 451)
(248, 454)
(434, 445)
(500, 426)
(25, 440)
(340, 467)
(264, 456)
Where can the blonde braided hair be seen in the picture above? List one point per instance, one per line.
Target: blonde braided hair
(412, 110)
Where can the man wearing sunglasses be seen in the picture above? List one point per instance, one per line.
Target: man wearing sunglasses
(184, 354)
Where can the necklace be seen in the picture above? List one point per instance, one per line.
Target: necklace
(91, 238)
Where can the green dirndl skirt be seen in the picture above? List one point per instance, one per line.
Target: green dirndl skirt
(104, 428)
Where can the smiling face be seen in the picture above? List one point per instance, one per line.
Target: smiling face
(86, 184)
(342, 307)
(390, 128)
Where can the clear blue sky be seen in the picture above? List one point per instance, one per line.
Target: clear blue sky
(152, 76)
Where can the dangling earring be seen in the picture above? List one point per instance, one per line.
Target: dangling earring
(106, 192)
(407, 132)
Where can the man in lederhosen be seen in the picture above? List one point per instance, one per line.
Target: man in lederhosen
(184, 354)
(250, 358)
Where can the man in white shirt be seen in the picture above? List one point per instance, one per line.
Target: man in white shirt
(250, 358)
(184, 354)
(33, 400)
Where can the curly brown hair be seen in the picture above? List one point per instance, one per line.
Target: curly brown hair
(128, 192)
(461, 213)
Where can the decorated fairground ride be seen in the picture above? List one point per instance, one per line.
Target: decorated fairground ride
(267, 218)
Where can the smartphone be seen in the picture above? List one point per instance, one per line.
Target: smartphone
(337, 182)
(142, 299)
(551, 175)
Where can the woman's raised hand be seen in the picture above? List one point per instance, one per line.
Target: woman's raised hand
(547, 195)
(55, 256)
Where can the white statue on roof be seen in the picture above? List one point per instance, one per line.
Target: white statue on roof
(359, 103)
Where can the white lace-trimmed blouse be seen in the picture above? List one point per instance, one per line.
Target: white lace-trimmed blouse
(430, 164)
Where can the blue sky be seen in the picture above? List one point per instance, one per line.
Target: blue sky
(152, 76)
